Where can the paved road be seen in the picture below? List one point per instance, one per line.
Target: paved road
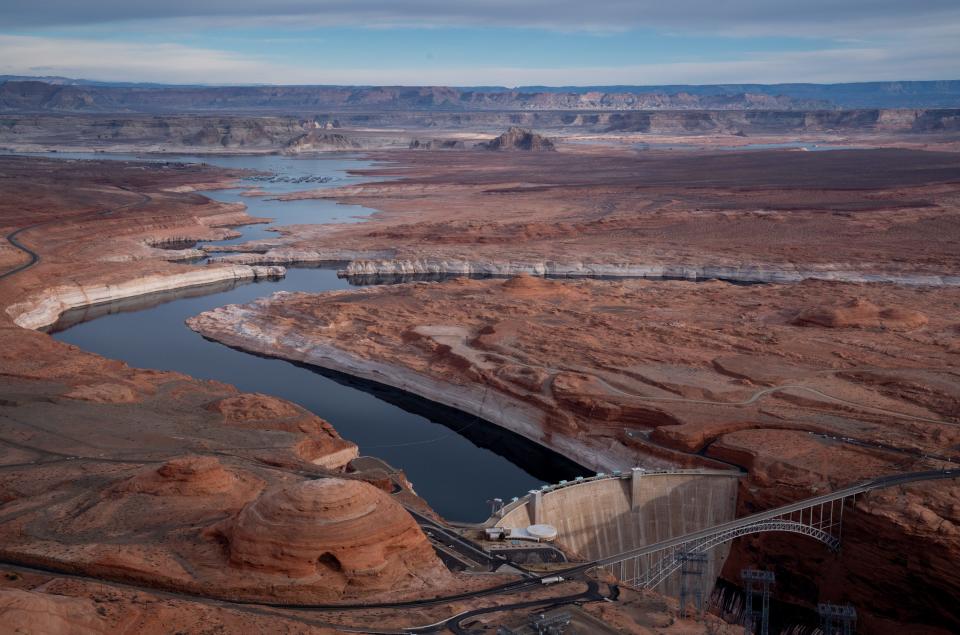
(592, 594)
(34, 257)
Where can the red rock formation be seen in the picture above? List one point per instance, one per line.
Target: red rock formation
(520, 139)
(345, 535)
(184, 476)
(673, 373)
(324, 446)
(861, 313)
(25, 612)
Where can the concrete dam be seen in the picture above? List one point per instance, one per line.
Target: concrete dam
(606, 514)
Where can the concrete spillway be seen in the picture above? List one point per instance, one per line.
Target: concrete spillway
(607, 515)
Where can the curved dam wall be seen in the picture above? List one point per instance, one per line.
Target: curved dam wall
(606, 515)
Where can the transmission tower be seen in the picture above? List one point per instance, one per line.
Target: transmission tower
(765, 579)
(692, 567)
(836, 619)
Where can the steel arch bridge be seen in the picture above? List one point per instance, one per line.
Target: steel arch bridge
(820, 518)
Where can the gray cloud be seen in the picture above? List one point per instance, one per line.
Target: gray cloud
(30, 55)
(871, 39)
(811, 17)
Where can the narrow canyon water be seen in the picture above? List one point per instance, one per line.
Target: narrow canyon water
(455, 461)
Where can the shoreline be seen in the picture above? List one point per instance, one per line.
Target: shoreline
(504, 411)
(43, 308)
(367, 263)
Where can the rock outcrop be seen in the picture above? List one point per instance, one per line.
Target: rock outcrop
(323, 445)
(520, 139)
(24, 612)
(345, 535)
(861, 313)
(437, 144)
(184, 476)
(316, 141)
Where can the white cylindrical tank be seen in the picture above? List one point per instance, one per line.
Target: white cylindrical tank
(542, 532)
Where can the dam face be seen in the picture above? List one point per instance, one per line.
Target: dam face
(607, 515)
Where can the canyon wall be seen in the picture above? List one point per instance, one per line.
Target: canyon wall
(61, 94)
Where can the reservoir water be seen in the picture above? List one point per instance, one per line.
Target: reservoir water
(455, 461)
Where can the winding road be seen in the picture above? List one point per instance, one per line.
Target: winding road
(33, 257)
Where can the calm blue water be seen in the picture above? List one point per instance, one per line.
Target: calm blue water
(454, 461)
(783, 145)
(286, 170)
(805, 145)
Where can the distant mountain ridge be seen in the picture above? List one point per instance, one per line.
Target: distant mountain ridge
(906, 94)
(57, 94)
(37, 96)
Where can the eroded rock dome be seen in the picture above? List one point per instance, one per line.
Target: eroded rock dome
(348, 532)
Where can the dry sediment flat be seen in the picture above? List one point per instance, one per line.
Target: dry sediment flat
(808, 387)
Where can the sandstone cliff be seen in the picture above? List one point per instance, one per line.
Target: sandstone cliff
(519, 139)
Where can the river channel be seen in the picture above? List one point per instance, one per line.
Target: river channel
(454, 460)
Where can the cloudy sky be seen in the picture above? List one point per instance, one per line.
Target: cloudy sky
(482, 42)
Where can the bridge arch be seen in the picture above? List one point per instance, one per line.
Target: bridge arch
(669, 561)
(651, 565)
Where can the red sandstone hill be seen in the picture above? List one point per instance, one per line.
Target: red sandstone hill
(519, 139)
(345, 536)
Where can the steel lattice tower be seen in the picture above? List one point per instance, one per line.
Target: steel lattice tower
(753, 577)
(693, 565)
(837, 619)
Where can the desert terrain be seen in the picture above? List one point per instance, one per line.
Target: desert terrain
(841, 364)
(806, 387)
(659, 289)
(784, 215)
(139, 500)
